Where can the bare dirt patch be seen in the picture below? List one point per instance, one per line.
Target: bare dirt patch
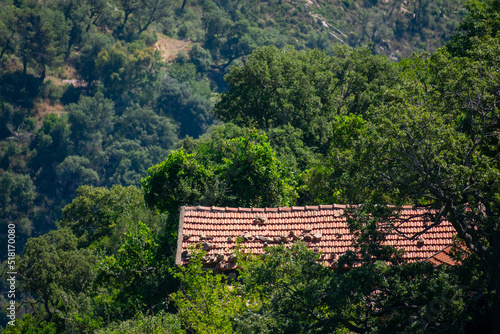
(70, 72)
(44, 108)
(67, 74)
(170, 47)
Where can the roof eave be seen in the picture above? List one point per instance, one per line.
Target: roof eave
(180, 237)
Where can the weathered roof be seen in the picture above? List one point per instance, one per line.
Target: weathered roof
(217, 228)
(443, 257)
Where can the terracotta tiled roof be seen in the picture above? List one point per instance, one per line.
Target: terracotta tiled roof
(443, 257)
(323, 228)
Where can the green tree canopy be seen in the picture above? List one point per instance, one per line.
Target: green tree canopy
(138, 272)
(125, 70)
(101, 216)
(92, 45)
(58, 273)
(8, 29)
(138, 15)
(481, 20)
(243, 171)
(285, 290)
(44, 35)
(73, 171)
(206, 302)
(436, 145)
(189, 109)
(304, 89)
(91, 119)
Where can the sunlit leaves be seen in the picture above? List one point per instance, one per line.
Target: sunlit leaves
(242, 171)
(206, 303)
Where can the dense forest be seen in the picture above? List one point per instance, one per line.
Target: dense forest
(114, 114)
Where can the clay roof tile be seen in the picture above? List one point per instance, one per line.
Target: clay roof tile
(224, 222)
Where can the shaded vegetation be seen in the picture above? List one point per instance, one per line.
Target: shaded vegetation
(288, 126)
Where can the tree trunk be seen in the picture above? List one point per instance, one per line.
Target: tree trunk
(47, 309)
(184, 2)
(495, 315)
(494, 267)
(25, 59)
(121, 27)
(7, 46)
(42, 75)
(72, 39)
(392, 9)
(44, 69)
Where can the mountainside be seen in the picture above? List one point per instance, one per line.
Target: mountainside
(396, 28)
(115, 114)
(158, 64)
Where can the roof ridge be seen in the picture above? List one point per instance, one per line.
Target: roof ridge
(281, 209)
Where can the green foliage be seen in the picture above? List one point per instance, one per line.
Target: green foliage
(294, 289)
(123, 70)
(435, 142)
(29, 325)
(160, 323)
(138, 15)
(233, 29)
(393, 299)
(100, 216)
(189, 109)
(20, 89)
(51, 141)
(44, 34)
(393, 28)
(265, 90)
(50, 147)
(304, 89)
(206, 303)
(302, 296)
(481, 20)
(286, 290)
(7, 120)
(137, 272)
(343, 126)
(201, 58)
(92, 45)
(370, 225)
(90, 120)
(119, 147)
(144, 126)
(76, 288)
(287, 142)
(252, 175)
(17, 198)
(139, 138)
(75, 170)
(242, 171)
(8, 29)
(115, 62)
(59, 274)
(333, 177)
(17, 193)
(125, 161)
(178, 180)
